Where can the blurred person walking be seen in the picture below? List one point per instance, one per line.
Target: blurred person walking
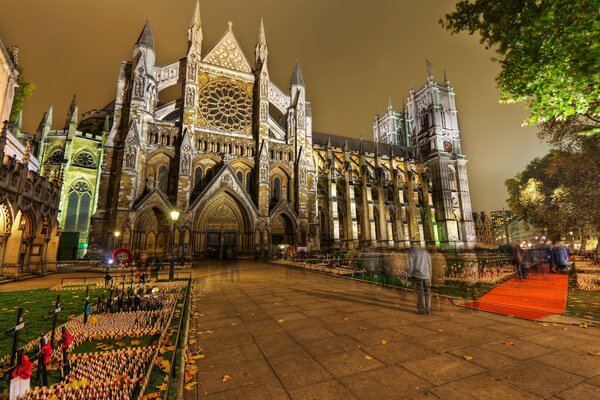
(419, 269)
(518, 255)
(560, 253)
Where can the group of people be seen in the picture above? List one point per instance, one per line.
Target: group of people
(555, 254)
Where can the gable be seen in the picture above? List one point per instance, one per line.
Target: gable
(227, 53)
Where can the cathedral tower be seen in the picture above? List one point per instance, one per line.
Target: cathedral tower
(435, 139)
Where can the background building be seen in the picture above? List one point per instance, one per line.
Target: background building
(76, 152)
(484, 229)
(29, 231)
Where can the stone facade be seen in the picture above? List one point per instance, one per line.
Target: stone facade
(237, 156)
(484, 229)
(8, 82)
(29, 230)
(76, 152)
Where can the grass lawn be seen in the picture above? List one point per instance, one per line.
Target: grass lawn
(37, 304)
(583, 304)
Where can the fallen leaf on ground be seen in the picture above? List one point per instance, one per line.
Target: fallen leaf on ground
(595, 353)
(190, 386)
(468, 358)
(226, 378)
(509, 343)
(362, 328)
(281, 320)
(383, 341)
(368, 358)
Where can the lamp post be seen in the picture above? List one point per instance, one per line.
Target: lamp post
(116, 242)
(174, 217)
(572, 241)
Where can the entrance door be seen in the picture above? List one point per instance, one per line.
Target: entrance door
(229, 245)
(213, 244)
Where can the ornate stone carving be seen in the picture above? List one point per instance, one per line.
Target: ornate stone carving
(226, 105)
(138, 87)
(227, 54)
(130, 157)
(278, 98)
(190, 96)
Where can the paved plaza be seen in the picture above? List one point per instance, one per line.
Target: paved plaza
(270, 332)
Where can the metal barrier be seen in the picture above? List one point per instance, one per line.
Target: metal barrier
(184, 309)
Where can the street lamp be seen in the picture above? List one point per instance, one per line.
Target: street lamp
(174, 217)
(116, 241)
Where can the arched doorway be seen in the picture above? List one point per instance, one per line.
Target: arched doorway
(222, 228)
(282, 231)
(151, 232)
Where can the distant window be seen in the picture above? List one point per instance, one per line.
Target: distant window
(424, 119)
(249, 182)
(163, 179)
(197, 177)
(57, 157)
(78, 208)
(277, 189)
(240, 177)
(85, 159)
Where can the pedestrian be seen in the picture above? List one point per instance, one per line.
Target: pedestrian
(550, 257)
(519, 260)
(561, 256)
(419, 269)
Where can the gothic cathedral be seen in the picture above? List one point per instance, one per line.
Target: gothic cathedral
(238, 158)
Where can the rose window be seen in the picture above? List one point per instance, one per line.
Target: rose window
(225, 105)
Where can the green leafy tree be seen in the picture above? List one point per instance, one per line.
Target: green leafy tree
(548, 51)
(559, 192)
(22, 92)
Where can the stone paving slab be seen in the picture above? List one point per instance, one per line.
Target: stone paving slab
(285, 334)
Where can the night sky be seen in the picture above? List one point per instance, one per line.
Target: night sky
(354, 54)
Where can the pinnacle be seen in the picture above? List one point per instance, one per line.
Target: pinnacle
(146, 38)
(196, 18)
(297, 79)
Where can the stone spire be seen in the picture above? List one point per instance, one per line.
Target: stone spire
(297, 79)
(261, 51)
(390, 106)
(72, 113)
(46, 119)
(146, 38)
(195, 29)
(429, 70)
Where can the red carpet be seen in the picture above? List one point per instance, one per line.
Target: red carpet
(540, 295)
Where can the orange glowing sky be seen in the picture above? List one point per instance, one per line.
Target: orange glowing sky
(354, 54)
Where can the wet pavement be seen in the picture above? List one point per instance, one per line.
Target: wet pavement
(270, 332)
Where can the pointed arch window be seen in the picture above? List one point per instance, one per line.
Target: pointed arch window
(163, 178)
(424, 119)
(240, 177)
(78, 207)
(197, 177)
(249, 182)
(276, 189)
(443, 116)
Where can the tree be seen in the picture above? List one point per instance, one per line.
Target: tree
(548, 51)
(22, 92)
(559, 192)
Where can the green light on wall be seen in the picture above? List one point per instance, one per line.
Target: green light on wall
(82, 246)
